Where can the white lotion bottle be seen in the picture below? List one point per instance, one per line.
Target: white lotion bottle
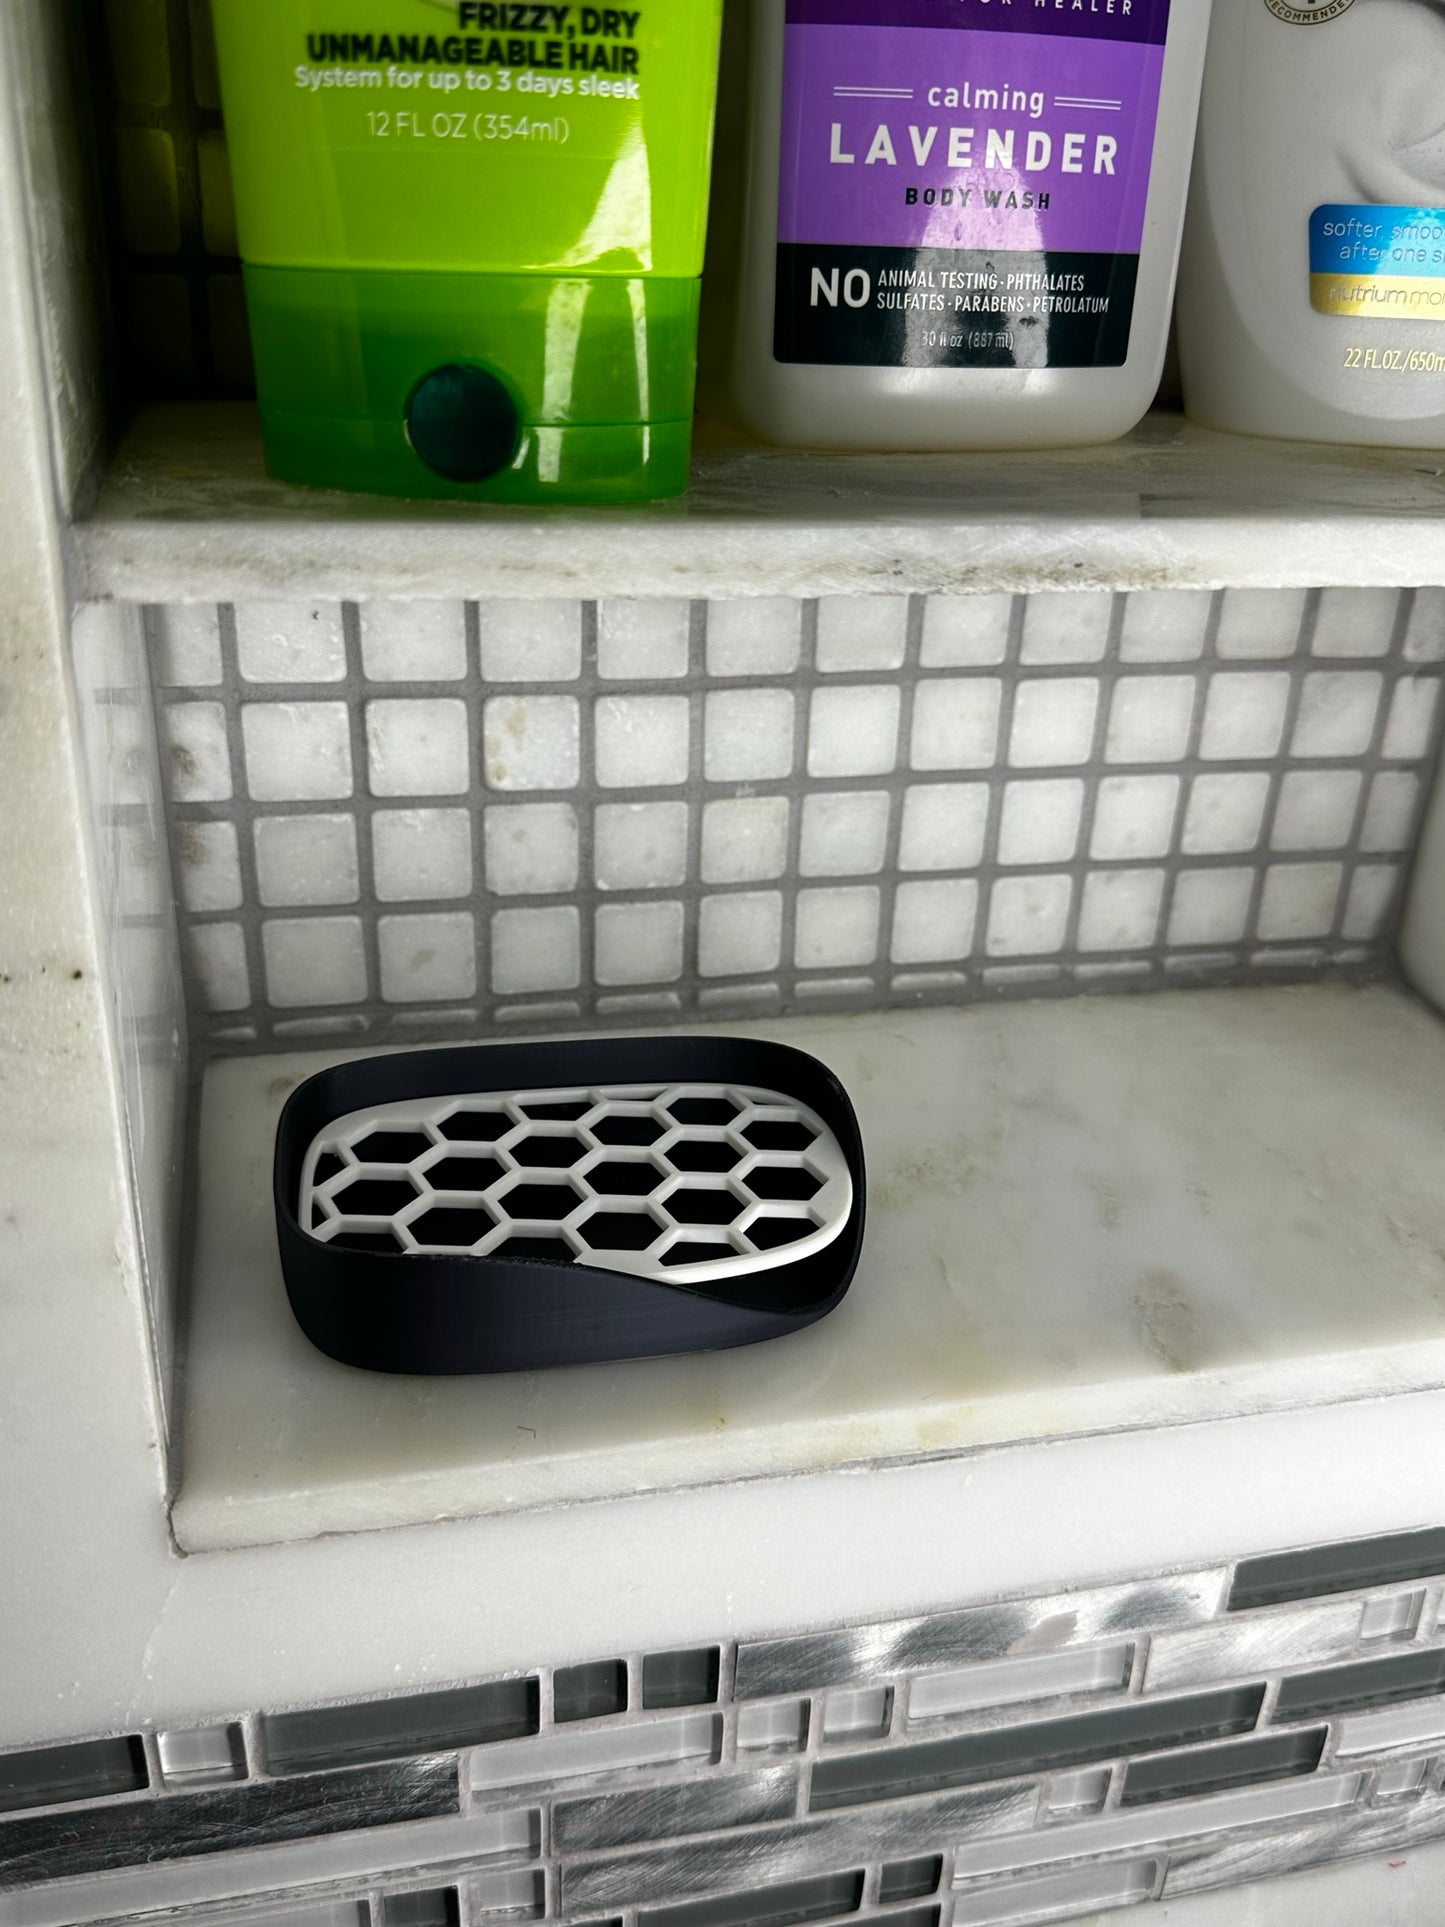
(1312, 295)
(960, 222)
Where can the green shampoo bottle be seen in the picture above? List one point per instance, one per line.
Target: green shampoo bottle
(473, 233)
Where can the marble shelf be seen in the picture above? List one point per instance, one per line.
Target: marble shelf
(1087, 1217)
(187, 513)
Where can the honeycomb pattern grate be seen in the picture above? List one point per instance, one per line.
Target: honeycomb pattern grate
(698, 1181)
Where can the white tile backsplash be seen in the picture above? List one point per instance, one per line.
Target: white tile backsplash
(745, 839)
(1210, 907)
(1121, 909)
(862, 632)
(749, 735)
(281, 642)
(422, 855)
(208, 867)
(1165, 625)
(1028, 916)
(414, 641)
(532, 849)
(197, 756)
(1134, 817)
(428, 959)
(307, 860)
(1425, 636)
(188, 646)
(217, 955)
(641, 846)
(1053, 723)
(854, 731)
(1260, 624)
(1392, 813)
(1244, 717)
(837, 928)
(945, 826)
(299, 752)
(315, 960)
(1374, 896)
(757, 800)
(1041, 821)
(934, 921)
(758, 637)
(1066, 629)
(417, 746)
(530, 641)
(740, 936)
(535, 950)
(845, 835)
(1150, 719)
(1337, 713)
(643, 742)
(1300, 900)
(966, 632)
(1411, 728)
(532, 742)
(643, 641)
(639, 943)
(1225, 816)
(1356, 622)
(1317, 809)
(956, 723)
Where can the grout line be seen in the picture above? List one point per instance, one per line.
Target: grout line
(363, 805)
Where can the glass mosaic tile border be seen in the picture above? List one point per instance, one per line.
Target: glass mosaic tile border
(1026, 1760)
(401, 819)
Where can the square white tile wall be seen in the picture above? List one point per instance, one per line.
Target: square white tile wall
(397, 818)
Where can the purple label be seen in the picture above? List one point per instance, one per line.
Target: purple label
(964, 183)
(1085, 19)
(925, 137)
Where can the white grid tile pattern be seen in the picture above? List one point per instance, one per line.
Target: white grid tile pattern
(459, 814)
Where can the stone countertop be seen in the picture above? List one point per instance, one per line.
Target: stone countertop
(1086, 1216)
(188, 514)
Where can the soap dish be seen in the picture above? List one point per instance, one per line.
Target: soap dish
(507, 1207)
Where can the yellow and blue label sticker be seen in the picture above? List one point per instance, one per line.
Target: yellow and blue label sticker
(1378, 263)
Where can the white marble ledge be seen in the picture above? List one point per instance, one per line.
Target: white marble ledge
(1086, 1216)
(188, 514)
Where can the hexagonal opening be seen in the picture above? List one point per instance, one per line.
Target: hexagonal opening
(554, 1251)
(565, 1110)
(542, 1203)
(624, 1127)
(703, 1110)
(693, 1206)
(616, 1178)
(700, 1154)
(375, 1197)
(620, 1231)
(697, 1254)
(778, 1134)
(787, 1182)
(548, 1153)
(475, 1127)
(463, 1174)
(381, 1244)
(454, 1227)
(391, 1147)
(771, 1234)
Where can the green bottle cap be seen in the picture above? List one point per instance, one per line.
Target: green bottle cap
(491, 388)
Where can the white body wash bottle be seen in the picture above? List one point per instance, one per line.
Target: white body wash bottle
(1312, 299)
(961, 219)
